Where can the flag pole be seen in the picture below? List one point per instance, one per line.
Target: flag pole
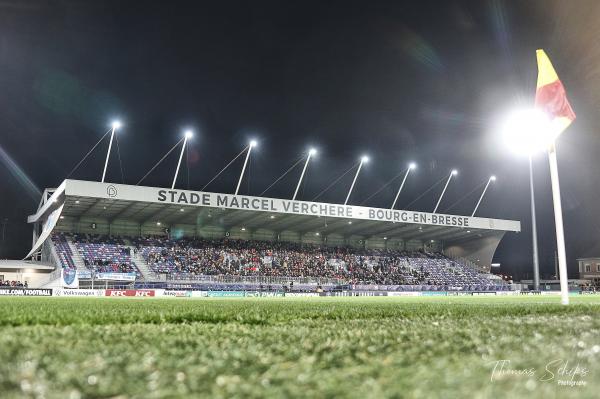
(558, 219)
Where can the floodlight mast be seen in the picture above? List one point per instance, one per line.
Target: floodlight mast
(411, 166)
(311, 152)
(454, 172)
(491, 179)
(525, 132)
(115, 126)
(250, 146)
(362, 160)
(536, 260)
(188, 135)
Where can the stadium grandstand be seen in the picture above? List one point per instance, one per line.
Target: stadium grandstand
(155, 237)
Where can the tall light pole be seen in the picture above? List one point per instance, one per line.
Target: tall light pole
(491, 179)
(311, 152)
(411, 166)
(453, 173)
(250, 146)
(188, 135)
(535, 256)
(524, 133)
(363, 159)
(115, 125)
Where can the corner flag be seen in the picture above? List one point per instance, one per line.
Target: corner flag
(550, 95)
(551, 98)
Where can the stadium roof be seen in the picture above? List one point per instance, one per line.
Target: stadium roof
(144, 205)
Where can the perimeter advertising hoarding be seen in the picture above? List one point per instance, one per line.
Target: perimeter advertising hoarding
(277, 205)
(25, 291)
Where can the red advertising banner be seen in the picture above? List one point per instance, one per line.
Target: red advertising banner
(136, 293)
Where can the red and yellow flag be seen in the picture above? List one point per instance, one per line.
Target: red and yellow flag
(550, 95)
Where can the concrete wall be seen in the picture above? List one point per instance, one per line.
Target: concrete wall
(479, 250)
(33, 279)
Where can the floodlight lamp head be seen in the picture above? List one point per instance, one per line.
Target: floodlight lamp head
(528, 131)
(312, 151)
(189, 134)
(412, 165)
(364, 159)
(454, 172)
(493, 178)
(116, 125)
(253, 143)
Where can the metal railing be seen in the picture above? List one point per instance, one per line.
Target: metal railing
(188, 277)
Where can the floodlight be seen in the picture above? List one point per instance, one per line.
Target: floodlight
(189, 134)
(116, 125)
(312, 151)
(364, 159)
(493, 178)
(454, 172)
(253, 143)
(412, 165)
(528, 131)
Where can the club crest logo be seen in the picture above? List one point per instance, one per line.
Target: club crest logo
(69, 275)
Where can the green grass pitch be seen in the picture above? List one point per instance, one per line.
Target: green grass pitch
(310, 347)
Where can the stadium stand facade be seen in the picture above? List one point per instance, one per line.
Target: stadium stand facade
(214, 240)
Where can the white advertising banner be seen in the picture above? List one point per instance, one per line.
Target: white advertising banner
(261, 204)
(116, 276)
(46, 230)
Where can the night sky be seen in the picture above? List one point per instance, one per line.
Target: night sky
(423, 81)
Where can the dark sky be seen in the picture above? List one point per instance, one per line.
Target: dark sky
(423, 81)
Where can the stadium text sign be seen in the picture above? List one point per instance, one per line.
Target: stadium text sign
(277, 205)
(307, 208)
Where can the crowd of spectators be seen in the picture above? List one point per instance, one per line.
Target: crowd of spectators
(100, 253)
(13, 284)
(229, 257)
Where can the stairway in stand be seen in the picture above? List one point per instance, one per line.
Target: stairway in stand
(138, 260)
(76, 256)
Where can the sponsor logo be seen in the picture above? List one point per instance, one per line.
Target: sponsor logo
(111, 191)
(134, 293)
(116, 276)
(226, 293)
(178, 294)
(301, 294)
(404, 293)
(78, 292)
(264, 294)
(26, 291)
